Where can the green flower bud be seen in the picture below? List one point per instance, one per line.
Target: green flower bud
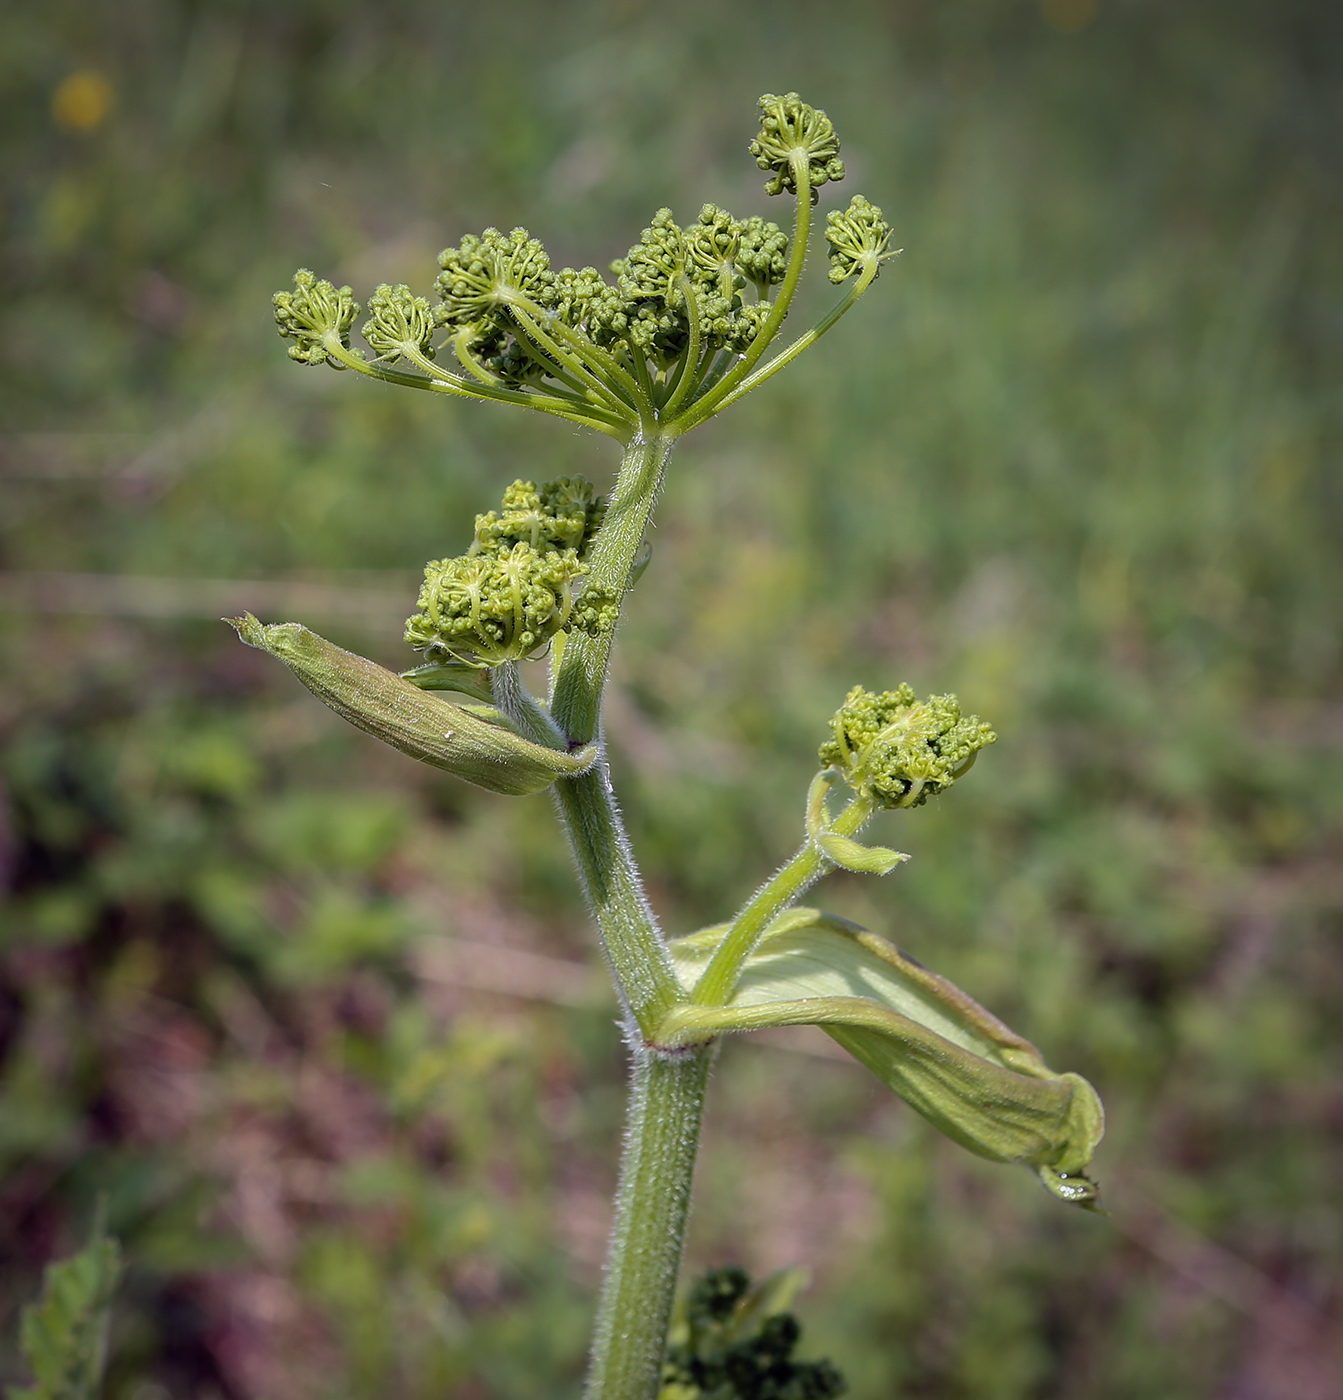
(310, 313)
(485, 274)
(789, 125)
(491, 608)
(583, 297)
(410, 719)
(656, 262)
(745, 324)
(859, 238)
(399, 322)
(596, 610)
(762, 251)
(562, 514)
(972, 1077)
(521, 582)
(729, 1339)
(900, 751)
(711, 246)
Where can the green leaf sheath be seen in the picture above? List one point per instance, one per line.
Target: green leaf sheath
(970, 1075)
(413, 720)
(657, 1170)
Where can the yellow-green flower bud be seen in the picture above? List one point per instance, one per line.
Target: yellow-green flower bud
(859, 239)
(656, 262)
(762, 251)
(312, 312)
(491, 608)
(789, 126)
(712, 244)
(399, 323)
(900, 751)
(413, 720)
(485, 274)
(562, 514)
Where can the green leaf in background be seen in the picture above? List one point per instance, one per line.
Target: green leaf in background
(64, 1334)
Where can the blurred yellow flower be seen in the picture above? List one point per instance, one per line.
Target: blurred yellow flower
(82, 102)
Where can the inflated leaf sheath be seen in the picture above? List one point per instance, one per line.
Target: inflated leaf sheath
(944, 1054)
(413, 720)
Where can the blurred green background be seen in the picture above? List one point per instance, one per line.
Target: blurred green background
(326, 1026)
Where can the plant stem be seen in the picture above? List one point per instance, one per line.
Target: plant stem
(582, 671)
(719, 979)
(666, 1092)
(630, 937)
(513, 698)
(640, 964)
(662, 1139)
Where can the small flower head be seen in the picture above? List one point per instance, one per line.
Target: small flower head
(562, 514)
(899, 750)
(491, 608)
(484, 274)
(712, 243)
(596, 610)
(656, 263)
(859, 239)
(399, 322)
(762, 251)
(310, 313)
(789, 126)
(520, 583)
(582, 296)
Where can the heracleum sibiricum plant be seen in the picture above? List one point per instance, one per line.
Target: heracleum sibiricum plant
(687, 324)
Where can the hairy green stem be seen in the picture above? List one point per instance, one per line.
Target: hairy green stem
(517, 702)
(662, 1139)
(667, 1093)
(633, 945)
(719, 980)
(582, 669)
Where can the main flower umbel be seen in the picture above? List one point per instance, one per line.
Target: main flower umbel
(680, 332)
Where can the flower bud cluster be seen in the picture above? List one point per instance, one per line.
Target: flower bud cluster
(790, 128)
(674, 278)
(900, 751)
(521, 582)
(859, 238)
(310, 314)
(400, 323)
(671, 279)
(674, 331)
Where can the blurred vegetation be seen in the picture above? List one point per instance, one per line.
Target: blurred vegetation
(318, 1022)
